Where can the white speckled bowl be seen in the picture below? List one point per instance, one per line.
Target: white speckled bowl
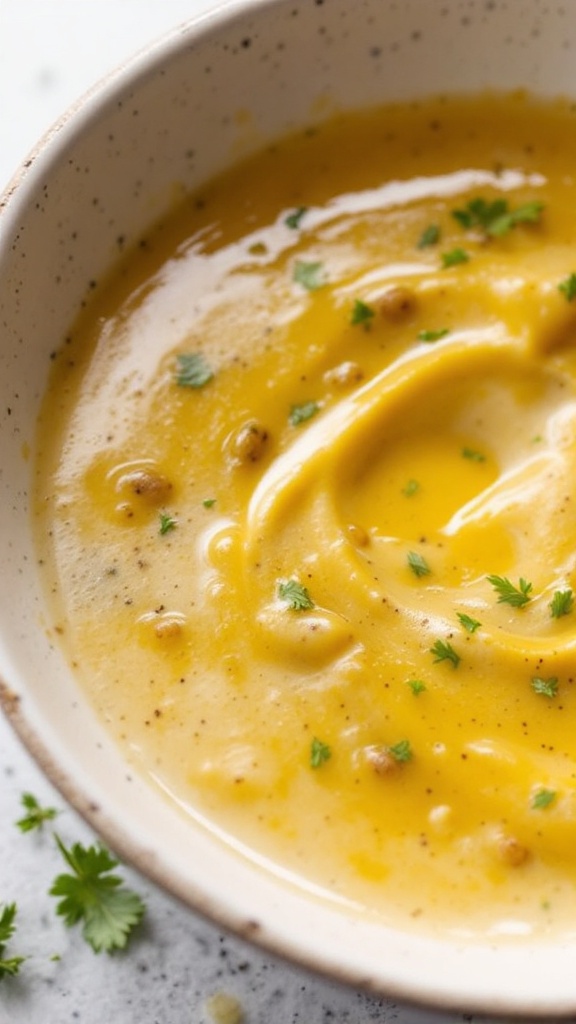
(173, 116)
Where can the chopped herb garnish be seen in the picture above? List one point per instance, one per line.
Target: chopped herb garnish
(454, 257)
(257, 249)
(473, 455)
(417, 686)
(430, 236)
(91, 894)
(411, 487)
(433, 335)
(508, 593)
(469, 624)
(362, 313)
(310, 275)
(543, 798)
(496, 218)
(319, 753)
(292, 220)
(35, 814)
(193, 370)
(9, 966)
(167, 523)
(568, 287)
(545, 687)
(303, 412)
(418, 564)
(401, 751)
(561, 604)
(443, 651)
(209, 502)
(296, 595)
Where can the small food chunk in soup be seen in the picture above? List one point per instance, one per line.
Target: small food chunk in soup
(306, 498)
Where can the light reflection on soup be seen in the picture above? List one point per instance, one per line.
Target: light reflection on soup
(306, 498)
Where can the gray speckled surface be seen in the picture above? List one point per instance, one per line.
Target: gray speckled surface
(51, 50)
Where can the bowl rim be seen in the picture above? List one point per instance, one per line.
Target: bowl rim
(42, 157)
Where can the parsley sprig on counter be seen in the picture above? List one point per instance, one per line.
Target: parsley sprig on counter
(9, 966)
(35, 815)
(91, 894)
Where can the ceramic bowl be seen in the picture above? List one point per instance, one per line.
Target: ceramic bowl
(212, 90)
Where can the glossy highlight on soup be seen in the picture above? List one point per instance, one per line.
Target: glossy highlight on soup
(306, 504)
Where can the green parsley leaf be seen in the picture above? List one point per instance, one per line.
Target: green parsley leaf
(430, 236)
(454, 257)
(545, 687)
(517, 597)
(473, 455)
(443, 651)
(528, 213)
(479, 213)
(35, 814)
(310, 275)
(292, 220)
(469, 624)
(417, 686)
(303, 412)
(209, 502)
(418, 564)
(568, 287)
(9, 966)
(433, 335)
(193, 370)
(562, 603)
(167, 523)
(411, 487)
(91, 894)
(495, 217)
(401, 751)
(296, 595)
(543, 798)
(362, 313)
(319, 753)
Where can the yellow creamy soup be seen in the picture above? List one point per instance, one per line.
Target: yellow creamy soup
(306, 500)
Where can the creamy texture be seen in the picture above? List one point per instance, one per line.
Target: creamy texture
(378, 433)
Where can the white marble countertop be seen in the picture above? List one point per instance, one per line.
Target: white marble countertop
(50, 52)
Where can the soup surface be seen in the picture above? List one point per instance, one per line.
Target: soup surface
(306, 499)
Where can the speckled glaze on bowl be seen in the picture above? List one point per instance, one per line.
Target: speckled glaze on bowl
(214, 90)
